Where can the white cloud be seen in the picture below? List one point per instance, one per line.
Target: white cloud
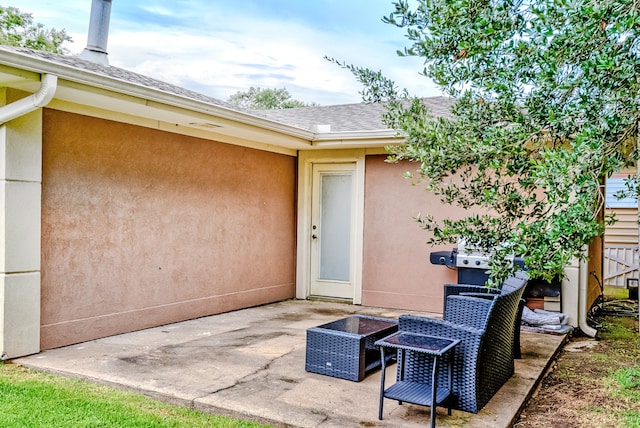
(157, 9)
(233, 52)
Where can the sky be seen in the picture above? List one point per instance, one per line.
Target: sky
(220, 47)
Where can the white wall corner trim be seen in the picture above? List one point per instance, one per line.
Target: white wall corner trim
(20, 220)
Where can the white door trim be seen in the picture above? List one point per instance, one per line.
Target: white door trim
(306, 160)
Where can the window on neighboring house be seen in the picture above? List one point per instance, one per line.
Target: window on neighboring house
(615, 185)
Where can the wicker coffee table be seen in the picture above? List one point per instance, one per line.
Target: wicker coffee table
(345, 348)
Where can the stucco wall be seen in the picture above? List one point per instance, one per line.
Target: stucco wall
(142, 227)
(396, 268)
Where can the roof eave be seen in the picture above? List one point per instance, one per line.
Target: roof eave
(91, 78)
(297, 137)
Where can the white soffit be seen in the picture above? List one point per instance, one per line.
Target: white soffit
(98, 102)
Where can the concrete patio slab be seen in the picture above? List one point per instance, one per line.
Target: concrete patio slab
(250, 364)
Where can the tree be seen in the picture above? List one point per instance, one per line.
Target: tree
(266, 99)
(18, 29)
(547, 102)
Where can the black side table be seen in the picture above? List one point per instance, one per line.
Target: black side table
(421, 394)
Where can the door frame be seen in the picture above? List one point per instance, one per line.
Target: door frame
(325, 287)
(306, 160)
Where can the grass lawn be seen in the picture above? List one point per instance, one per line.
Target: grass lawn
(32, 399)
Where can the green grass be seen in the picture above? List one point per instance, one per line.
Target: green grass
(616, 292)
(623, 381)
(629, 381)
(625, 386)
(33, 399)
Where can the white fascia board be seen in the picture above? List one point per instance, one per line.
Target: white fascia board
(357, 139)
(356, 135)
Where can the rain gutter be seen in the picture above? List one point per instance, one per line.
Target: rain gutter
(33, 102)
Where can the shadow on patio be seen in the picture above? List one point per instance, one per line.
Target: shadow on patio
(251, 364)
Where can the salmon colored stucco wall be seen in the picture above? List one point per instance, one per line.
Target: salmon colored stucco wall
(396, 268)
(142, 227)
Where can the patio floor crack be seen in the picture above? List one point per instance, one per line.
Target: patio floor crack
(245, 378)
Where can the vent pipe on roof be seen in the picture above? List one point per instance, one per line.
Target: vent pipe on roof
(96, 50)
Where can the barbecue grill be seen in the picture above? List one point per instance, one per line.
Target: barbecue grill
(472, 266)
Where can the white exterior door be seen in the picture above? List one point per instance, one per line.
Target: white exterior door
(332, 230)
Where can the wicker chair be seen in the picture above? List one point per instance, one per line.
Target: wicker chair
(515, 281)
(483, 361)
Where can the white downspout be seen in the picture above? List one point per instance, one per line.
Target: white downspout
(32, 102)
(582, 300)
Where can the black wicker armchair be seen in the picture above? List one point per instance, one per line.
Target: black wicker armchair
(483, 361)
(515, 281)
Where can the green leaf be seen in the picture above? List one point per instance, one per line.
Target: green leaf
(546, 107)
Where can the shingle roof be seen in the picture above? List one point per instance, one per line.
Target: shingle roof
(341, 118)
(346, 117)
(121, 74)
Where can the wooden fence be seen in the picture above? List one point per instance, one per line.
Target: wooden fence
(620, 263)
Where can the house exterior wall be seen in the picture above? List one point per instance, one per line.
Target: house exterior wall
(396, 268)
(142, 227)
(625, 231)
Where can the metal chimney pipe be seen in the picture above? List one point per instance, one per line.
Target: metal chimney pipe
(96, 50)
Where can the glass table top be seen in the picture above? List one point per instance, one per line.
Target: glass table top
(359, 325)
(420, 341)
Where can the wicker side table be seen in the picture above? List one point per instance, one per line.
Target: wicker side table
(423, 394)
(346, 348)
